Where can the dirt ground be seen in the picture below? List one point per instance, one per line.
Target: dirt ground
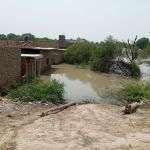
(82, 127)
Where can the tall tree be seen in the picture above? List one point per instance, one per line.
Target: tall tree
(3, 37)
(12, 36)
(28, 37)
(142, 43)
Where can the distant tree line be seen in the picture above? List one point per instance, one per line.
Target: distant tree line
(24, 37)
(142, 43)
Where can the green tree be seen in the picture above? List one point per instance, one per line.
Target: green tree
(102, 58)
(79, 53)
(12, 36)
(3, 37)
(142, 43)
(145, 53)
(132, 53)
(28, 37)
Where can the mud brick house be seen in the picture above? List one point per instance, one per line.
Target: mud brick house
(36, 60)
(10, 62)
(17, 62)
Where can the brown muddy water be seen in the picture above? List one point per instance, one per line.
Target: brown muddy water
(145, 69)
(83, 84)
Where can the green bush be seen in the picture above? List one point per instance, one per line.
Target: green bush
(79, 53)
(100, 56)
(39, 91)
(135, 70)
(95, 64)
(135, 91)
(145, 53)
(3, 92)
(103, 56)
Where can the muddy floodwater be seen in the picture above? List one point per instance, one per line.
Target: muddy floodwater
(83, 84)
(145, 69)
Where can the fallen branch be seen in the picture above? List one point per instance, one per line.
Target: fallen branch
(62, 107)
(57, 109)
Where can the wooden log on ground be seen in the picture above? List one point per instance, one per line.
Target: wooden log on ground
(131, 108)
(62, 107)
(57, 109)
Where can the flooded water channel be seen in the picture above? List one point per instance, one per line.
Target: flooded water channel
(145, 69)
(84, 84)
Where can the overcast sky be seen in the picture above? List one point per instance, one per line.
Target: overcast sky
(90, 19)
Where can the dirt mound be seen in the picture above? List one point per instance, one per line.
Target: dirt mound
(83, 127)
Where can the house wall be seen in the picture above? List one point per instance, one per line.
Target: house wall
(57, 57)
(46, 60)
(10, 66)
(10, 63)
(53, 57)
(6, 43)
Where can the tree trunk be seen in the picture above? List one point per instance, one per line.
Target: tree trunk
(131, 108)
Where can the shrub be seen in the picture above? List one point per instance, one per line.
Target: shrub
(145, 53)
(103, 56)
(95, 64)
(3, 92)
(39, 91)
(79, 53)
(134, 70)
(134, 91)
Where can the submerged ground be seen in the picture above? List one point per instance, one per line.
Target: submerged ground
(83, 127)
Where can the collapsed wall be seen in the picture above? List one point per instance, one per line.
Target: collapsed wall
(10, 66)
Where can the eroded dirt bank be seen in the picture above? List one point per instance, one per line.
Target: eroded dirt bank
(83, 127)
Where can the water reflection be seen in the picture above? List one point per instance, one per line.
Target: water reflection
(83, 84)
(145, 69)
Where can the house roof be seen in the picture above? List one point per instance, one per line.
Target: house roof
(43, 48)
(35, 56)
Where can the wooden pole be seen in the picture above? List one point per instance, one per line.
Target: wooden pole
(35, 68)
(27, 75)
(39, 67)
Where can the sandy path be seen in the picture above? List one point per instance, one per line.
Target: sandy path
(84, 127)
(13, 117)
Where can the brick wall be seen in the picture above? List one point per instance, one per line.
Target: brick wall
(57, 57)
(54, 57)
(8, 43)
(10, 65)
(47, 56)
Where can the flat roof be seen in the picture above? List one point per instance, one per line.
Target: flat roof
(35, 56)
(43, 48)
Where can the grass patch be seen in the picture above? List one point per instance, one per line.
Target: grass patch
(134, 91)
(38, 91)
(135, 71)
